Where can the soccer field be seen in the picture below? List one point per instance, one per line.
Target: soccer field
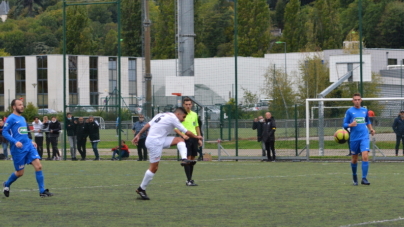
(244, 193)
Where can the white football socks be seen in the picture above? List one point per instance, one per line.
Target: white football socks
(148, 176)
(183, 150)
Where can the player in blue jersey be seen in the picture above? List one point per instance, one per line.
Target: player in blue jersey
(357, 119)
(22, 149)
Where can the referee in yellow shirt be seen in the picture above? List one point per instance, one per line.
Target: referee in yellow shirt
(191, 124)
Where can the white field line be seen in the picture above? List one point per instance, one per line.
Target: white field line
(374, 222)
(173, 182)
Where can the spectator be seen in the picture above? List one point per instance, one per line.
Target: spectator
(372, 117)
(258, 124)
(268, 135)
(45, 128)
(71, 125)
(38, 133)
(398, 127)
(117, 126)
(4, 141)
(141, 144)
(82, 134)
(94, 134)
(54, 130)
(122, 151)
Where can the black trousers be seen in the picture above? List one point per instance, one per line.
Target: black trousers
(270, 147)
(47, 146)
(399, 138)
(39, 143)
(81, 146)
(55, 150)
(141, 146)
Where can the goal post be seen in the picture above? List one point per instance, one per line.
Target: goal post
(321, 112)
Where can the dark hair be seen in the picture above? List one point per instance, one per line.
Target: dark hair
(13, 102)
(68, 113)
(122, 141)
(36, 118)
(186, 100)
(181, 109)
(357, 94)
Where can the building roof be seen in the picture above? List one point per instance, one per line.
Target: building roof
(4, 8)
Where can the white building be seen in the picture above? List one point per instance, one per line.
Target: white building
(4, 8)
(89, 80)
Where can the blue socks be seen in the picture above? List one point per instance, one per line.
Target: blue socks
(11, 179)
(365, 168)
(354, 168)
(40, 181)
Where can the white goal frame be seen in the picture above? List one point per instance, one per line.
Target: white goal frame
(335, 99)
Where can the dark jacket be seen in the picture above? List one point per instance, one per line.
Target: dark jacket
(2, 139)
(54, 129)
(398, 126)
(45, 128)
(71, 127)
(94, 131)
(82, 130)
(258, 125)
(268, 130)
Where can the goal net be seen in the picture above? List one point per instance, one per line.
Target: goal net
(322, 120)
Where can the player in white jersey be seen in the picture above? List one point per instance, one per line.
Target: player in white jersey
(160, 126)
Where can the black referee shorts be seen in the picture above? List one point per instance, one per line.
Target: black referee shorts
(192, 146)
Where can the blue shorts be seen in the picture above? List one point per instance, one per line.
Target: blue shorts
(23, 156)
(359, 146)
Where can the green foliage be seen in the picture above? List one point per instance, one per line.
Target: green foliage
(163, 31)
(391, 26)
(249, 97)
(3, 53)
(254, 27)
(294, 33)
(131, 28)
(30, 112)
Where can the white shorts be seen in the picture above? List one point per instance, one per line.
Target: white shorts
(155, 147)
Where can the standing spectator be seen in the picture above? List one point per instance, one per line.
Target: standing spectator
(82, 133)
(4, 142)
(117, 126)
(268, 135)
(45, 128)
(71, 133)
(372, 117)
(258, 124)
(54, 130)
(398, 127)
(94, 134)
(357, 119)
(191, 124)
(141, 146)
(22, 149)
(38, 133)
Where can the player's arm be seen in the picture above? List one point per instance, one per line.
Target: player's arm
(185, 137)
(372, 131)
(347, 119)
(6, 131)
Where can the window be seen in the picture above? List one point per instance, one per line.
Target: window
(73, 88)
(93, 80)
(112, 66)
(20, 77)
(42, 81)
(391, 61)
(132, 76)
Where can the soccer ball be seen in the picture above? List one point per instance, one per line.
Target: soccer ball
(341, 136)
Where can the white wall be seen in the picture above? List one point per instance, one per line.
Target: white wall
(55, 81)
(83, 79)
(31, 78)
(9, 81)
(103, 77)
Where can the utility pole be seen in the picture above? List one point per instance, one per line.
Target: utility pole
(147, 56)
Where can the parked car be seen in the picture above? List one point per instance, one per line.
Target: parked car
(46, 111)
(135, 108)
(88, 109)
(213, 112)
(168, 108)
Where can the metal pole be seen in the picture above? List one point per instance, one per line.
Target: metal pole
(147, 53)
(360, 46)
(235, 74)
(118, 6)
(296, 130)
(64, 78)
(286, 71)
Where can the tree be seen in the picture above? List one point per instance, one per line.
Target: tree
(279, 88)
(131, 28)
(254, 27)
(79, 35)
(212, 21)
(111, 43)
(279, 13)
(391, 26)
(163, 46)
(294, 33)
(27, 8)
(249, 97)
(3, 53)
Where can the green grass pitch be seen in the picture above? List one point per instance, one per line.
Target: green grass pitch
(244, 193)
